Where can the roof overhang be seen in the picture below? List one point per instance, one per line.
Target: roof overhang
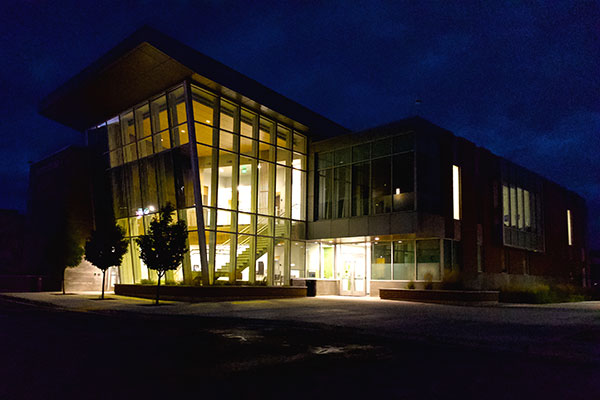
(148, 62)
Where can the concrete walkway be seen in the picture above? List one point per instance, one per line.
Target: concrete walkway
(569, 330)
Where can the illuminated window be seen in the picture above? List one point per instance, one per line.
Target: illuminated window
(456, 192)
(569, 228)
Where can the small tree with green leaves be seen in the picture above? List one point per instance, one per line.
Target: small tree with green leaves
(163, 248)
(105, 248)
(66, 248)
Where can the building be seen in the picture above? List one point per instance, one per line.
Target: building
(272, 191)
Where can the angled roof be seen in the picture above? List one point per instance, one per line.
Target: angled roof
(148, 62)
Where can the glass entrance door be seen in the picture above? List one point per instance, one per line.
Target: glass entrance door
(351, 266)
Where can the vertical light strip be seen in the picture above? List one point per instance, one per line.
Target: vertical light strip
(456, 191)
(569, 233)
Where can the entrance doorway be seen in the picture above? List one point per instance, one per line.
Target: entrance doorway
(351, 263)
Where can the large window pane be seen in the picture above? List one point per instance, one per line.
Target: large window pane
(299, 143)
(248, 124)
(134, 193)
(177, 106)
(403, 143)
(246, 223)
(223, 252)
(284, 136)
(162, 142)
(361, 152)
(245, 188)
(403, 182)
(381, 147)
(204, 134)
(266, 152)
(142, 121)
(145, 147)
(265, 188)
(282, 197)
(264, 258)
(244, 257)
(343, 156)
(298, 255)
(267, 130)
(325, 194)
(228, 116)
(128, 128)
(381, 261)
(342, 191)
(328, 260)
(166, 180)
(180, 135)
(404, 260)
(227, 141)
(159, 114)
(284, 157)
(148, 182)
(298, 193)
(324, 160)
(114, 133)
(203, 104)
(313, 260)
(227, 163)
(226, 221)
(281, 261)
(428, 260)
(264, 226)
(205, 162)
(360, 189)
(248, 147)
(381, 182)
(119, 193)
(184, 187)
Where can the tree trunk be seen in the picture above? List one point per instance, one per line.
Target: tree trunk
(157, 287)
(103, 276)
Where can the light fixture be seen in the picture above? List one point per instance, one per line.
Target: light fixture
(376, 238)
(208, 121)
(151, 208)
(397, 190)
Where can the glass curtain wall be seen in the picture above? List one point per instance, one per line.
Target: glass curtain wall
(252, 185)
(252, 172)
(367, 179)
(150, 166)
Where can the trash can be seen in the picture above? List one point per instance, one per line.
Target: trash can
(311, 287)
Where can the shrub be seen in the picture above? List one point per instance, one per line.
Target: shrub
(428, 278)
(410, 285)
(541, 294)
(452, 280)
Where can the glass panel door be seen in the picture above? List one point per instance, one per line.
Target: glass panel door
(351, 267)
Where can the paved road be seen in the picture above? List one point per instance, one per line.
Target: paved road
(301, 348)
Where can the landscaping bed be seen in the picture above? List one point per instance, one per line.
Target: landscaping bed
(211, 293)
(439, 296)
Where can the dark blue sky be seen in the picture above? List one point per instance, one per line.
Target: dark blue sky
(520, 78)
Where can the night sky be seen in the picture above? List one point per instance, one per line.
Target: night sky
(521, 78)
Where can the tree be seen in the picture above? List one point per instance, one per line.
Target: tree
(163, 248)
(106, 247)
(66, 248)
